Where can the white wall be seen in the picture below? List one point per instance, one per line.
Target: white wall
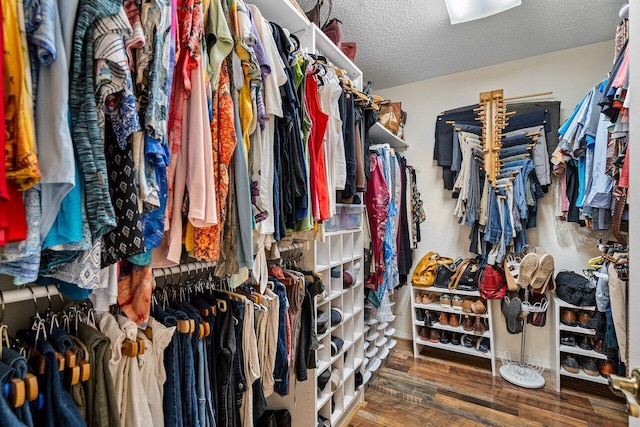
(569, 74)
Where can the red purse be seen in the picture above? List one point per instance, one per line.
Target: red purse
(349, 49)
(332, 30)
(492, 283)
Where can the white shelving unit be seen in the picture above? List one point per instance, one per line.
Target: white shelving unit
(341, 249)
(381, 135)
(560, 350)
(435, 307)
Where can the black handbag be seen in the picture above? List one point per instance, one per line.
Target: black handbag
(575, 289)
(444, 274)
(466, 276)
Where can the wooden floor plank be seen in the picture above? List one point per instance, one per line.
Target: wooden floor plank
(438, 389)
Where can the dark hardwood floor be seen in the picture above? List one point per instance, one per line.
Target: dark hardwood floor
(437, 390)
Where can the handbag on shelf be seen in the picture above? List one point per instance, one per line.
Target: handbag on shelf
(314, 13)
(466, 276)
(349, 49)
(333, 31)
(390, 114)
(492, 283)
(425, 273)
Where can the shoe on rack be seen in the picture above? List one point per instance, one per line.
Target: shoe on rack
(466, 306)
(445, 300)
(589, 367)
(568, 318)
(483, 345)
(429, 298)
(598, 346)
(467, 323)
(424, 334)
(468, 341)
(443, 319)
(336, 316)
(606, 368)
(479, 327)
(528, 267)
(586, 343)
(444, 337)
(455, 338)
(418, 299)
(434, 336)
(457, 302)
(568, 340)
(420, 315)
(454, 320)
(570, 364)
(546, 268)
(478, 307)
(583, 318)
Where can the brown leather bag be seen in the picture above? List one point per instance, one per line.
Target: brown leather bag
(390, 115)
(314, 13)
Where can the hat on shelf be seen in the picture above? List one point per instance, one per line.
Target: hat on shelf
(336, 345)
(322, 322)
(335, 272)
(336, 316)
(323, 379)
(347, 279)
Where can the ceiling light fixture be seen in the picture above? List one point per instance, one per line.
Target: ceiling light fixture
(470, 10)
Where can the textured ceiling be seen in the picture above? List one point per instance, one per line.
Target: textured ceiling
(403, 41)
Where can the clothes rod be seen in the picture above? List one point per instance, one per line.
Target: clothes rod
(291, 247)
(24, 294)
(183, 268)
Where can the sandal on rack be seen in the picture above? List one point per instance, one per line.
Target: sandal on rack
(511, 309)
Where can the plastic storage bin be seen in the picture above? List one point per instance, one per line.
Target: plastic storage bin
(333, 223)
(351, 217)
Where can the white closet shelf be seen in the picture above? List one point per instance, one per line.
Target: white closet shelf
(457, 329)
(577, 329)
(381, 135)
(334, 55)
(321, 367)
(563, 304)
(456, 348)
(581, 375)
(446, 291)
(577, 350)
(435, 306)
(284, 13)
(344, 231)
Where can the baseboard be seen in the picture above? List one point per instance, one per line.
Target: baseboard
(405, 336)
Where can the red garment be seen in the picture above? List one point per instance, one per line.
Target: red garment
(624, 173)
(135, 285)
(317, 175)
(4, 191)
(13, 220)
(377, 201)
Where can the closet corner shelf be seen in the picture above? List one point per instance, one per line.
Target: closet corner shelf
(346, 374)
(337, 294)
(381, 135)
(284, 13)
(335, 55)
(357, 362)
(347, 317)
(435, 306)
(578, 350)
(581, 375)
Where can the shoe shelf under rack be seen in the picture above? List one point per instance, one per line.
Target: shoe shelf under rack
(435, 306)
(457, 329)
(419, 343)
(560, 350)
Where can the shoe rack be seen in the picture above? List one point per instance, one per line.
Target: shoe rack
(561, 350)
(342, 249)
(435, 307)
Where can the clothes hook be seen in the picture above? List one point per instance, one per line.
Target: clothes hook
(35, 301)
